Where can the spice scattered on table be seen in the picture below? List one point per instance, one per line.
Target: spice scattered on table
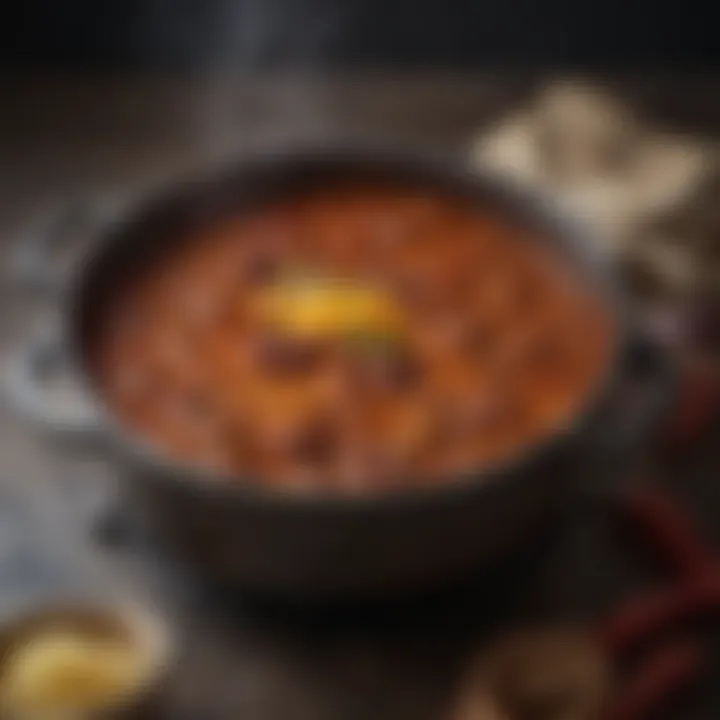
(555, 673)
(571, 673)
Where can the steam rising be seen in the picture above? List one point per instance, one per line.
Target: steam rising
(286, 43)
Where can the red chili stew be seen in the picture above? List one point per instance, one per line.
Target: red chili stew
(357, 339)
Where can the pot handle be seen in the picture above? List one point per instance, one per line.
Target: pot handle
(45, 251)
(40, 389)
(647, 387)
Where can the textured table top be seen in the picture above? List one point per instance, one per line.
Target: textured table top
(67, 138)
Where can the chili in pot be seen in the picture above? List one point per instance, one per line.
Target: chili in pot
(351, 338)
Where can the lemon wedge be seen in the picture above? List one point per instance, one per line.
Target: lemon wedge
(61, 674)
(330, 309)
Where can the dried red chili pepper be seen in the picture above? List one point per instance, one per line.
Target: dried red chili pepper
(667, 673)
(648, 614)
(667, 527)
(538, 675)
(697, 406)
(697, 590)
(670, 530)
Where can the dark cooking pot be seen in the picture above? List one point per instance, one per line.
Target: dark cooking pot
(322, 546)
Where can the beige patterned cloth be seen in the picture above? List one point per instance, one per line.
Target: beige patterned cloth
(625, 178)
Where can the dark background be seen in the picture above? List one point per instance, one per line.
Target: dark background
(330, 33)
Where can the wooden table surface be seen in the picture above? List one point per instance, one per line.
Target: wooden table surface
(63, 139)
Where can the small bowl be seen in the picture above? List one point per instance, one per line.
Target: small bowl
(148, 635)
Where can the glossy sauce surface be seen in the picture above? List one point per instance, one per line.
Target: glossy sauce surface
(352, 340)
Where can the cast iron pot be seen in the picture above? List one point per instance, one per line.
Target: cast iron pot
(320, 546)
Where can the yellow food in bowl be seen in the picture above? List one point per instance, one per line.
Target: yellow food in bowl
(60, 673)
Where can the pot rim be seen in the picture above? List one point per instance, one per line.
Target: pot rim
(449, 176)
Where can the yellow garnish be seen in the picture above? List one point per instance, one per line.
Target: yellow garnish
(64, 674)
(323, 309)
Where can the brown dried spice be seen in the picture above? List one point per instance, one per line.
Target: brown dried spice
(546, 674)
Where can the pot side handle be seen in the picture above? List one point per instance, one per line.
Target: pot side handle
(48, 249)
(646, 391)
(41, 390)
